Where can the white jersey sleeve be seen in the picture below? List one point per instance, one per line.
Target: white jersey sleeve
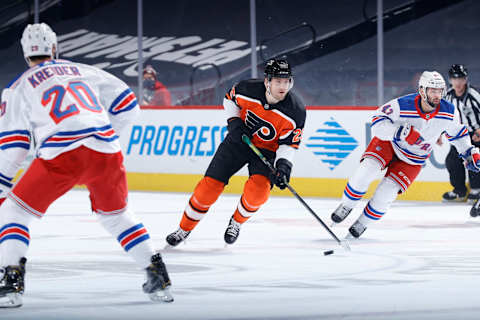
(15, 138)
(68, 105)
(119, 100)
(384, 120)
(457, 134)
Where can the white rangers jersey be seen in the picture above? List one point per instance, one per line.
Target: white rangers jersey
(58, 106)
(444, 119)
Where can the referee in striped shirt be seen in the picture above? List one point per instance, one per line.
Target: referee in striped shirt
(466, 100)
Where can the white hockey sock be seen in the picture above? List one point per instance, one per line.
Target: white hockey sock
(131, 235)
(381, 201)
(14, 233)
(358, 184)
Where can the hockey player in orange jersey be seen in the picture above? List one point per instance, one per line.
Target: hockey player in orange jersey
(273, 118)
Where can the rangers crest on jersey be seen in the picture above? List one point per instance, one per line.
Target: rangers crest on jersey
(394, 117)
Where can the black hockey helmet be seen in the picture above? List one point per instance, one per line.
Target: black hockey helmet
(457, 71)
(277, 68)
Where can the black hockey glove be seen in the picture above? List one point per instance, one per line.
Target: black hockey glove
(236, 128)
(282, 174)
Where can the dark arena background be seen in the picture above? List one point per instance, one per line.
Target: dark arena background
(421, 261)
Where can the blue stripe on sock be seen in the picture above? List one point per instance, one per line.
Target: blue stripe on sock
(349, 196)
(375, 211)
(14, 225)
(355, 191)
(128, 231)
(15, 237)
(137, 241)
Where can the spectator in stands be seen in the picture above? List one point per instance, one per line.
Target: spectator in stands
(154, 92)
(466, 100)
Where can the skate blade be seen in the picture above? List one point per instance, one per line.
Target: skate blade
(11, 300)
(344, 244)
(349, 236)
(161, 296)
(168, 247)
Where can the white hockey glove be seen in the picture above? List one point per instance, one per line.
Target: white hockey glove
(408, 133)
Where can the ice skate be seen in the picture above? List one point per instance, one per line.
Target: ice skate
(232, 232)
(174, 238)
(158, 282)
(12, 285)
(340, 213)
(453, 196)
(475, 210)
(473, 196)
(357, 229)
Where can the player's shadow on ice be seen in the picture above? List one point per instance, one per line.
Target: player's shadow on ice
(198, 251)
(464, 225)
(332, 243)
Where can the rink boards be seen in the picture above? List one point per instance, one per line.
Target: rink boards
(169, 149)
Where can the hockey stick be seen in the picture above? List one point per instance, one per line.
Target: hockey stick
(343, 243)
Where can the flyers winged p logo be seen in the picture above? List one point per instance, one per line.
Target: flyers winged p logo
(264, 129)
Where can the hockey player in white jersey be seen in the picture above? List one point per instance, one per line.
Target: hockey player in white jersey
(71, 114)
(404, 131)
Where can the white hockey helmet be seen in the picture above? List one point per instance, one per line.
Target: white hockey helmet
(38, 40)
(431, 79)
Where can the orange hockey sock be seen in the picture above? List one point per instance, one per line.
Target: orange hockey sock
(206, 193)
(255, 193)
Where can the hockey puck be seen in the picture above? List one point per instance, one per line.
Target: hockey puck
(328, 252)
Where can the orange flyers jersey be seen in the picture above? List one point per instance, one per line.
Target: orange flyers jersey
(272, 125)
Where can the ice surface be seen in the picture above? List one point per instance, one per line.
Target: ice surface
(421, 261)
